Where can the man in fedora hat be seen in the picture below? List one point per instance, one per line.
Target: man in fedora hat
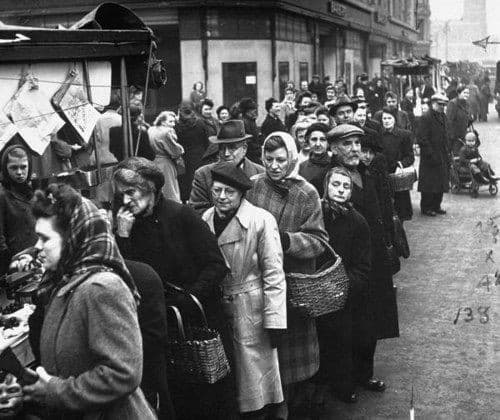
(232, 146)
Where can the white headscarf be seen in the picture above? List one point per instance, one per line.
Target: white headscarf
(292, 153)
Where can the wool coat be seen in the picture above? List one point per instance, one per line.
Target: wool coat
(297, 211)
(270, 125)
(180, 247)
(314, 170)
(201, 198)
(339, 332)
(434, 168)
(374, 203)
(459, 120)
(254, 145)
(192, 134)
(397, 147)
(91, 343)
(254, 299)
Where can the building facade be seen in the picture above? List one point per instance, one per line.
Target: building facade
(252, 47)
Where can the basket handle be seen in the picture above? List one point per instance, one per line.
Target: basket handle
(194, 299)
(178, 317)
(328, 247)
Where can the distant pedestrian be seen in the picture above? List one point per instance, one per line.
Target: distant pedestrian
(197, 95)
(459, 119)
(223, 114)
(272, 121)
(434, 176)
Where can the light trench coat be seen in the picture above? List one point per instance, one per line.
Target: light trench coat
(254, 298)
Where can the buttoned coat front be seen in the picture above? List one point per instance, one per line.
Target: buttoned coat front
(254, 298)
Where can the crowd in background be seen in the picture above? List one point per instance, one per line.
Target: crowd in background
(218, 207)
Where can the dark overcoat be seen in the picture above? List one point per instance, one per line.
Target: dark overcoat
(434, 173)
(314, 170)
(350, 237)
(459, 119)
(270, 125)
(191, 259)
(397, 146)
(374, 203)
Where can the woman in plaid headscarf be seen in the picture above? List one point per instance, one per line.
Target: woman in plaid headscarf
(90, 342)
(295, 204)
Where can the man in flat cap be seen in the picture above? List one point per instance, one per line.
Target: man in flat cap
(435, 158)
(232, 145)
(374, 312)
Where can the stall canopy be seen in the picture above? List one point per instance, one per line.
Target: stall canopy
(412, 65)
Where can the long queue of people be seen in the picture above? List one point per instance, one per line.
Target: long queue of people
(243, 208)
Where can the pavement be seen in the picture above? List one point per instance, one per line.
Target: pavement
(453, 365)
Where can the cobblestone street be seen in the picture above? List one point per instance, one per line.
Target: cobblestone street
(453, 367)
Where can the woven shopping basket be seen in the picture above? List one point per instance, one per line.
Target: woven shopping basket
(322, 292)
(197, 356)
(404, 179)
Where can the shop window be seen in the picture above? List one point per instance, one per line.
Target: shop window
(291, 28)
(284, 76)
(303, 71)
(239, 80)
(237, 24)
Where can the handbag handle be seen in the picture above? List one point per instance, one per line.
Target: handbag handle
(178, 317)
(194, 299)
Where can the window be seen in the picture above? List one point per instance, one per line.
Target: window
(284, 76)
(237, 24)
(292, 28)
(303, 71)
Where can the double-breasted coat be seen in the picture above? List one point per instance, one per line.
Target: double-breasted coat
(253, 299)
(434, 172)
(297, 210)
(397, 147)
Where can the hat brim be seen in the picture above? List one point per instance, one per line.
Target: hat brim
(348, 136)
(333, 108)
(216, 140)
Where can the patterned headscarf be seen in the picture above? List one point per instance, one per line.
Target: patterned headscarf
(293, 154)
(90, 247)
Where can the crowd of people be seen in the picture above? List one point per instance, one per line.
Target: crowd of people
(216, 207)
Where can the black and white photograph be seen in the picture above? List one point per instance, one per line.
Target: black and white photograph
(249, 209)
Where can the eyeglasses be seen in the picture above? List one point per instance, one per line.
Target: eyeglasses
(228, 192)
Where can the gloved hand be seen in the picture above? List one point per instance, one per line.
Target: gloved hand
(275, 336)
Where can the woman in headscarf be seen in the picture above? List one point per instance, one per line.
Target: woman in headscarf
(17, 224)
(254, 294)
(338, 332)
(295, 205)
(167, 151)
(90, 343)
(397, 147)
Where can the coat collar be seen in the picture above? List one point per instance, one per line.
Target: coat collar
(239, 223)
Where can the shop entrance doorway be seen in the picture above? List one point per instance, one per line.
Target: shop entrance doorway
(239, 80)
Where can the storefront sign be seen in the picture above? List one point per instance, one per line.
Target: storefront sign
(250, 80)
(337, 9)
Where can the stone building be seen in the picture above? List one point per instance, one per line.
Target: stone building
(251, 47)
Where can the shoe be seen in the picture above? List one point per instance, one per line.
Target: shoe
(374, 385)
(429, 213)
(440, 211)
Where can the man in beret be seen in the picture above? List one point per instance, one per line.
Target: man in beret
(375, 311)
(232, 147)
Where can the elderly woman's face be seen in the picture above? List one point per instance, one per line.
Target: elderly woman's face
(50, 242)
(339, 188)
(11, 397)
(225, 198)
(133, 199)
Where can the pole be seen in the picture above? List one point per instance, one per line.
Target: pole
(125, 109)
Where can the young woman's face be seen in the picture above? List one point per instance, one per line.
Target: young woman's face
(224, 115)
(18, 168)
(366, 156)
(50, 242)
(324, 119)
(388, 120)
(339, 188)
(360, 116)
(276, 163)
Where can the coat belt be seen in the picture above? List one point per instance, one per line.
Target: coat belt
(235, 288)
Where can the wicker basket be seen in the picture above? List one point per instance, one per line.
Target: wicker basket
(199, 358)
(404, 179)
(320, 293)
